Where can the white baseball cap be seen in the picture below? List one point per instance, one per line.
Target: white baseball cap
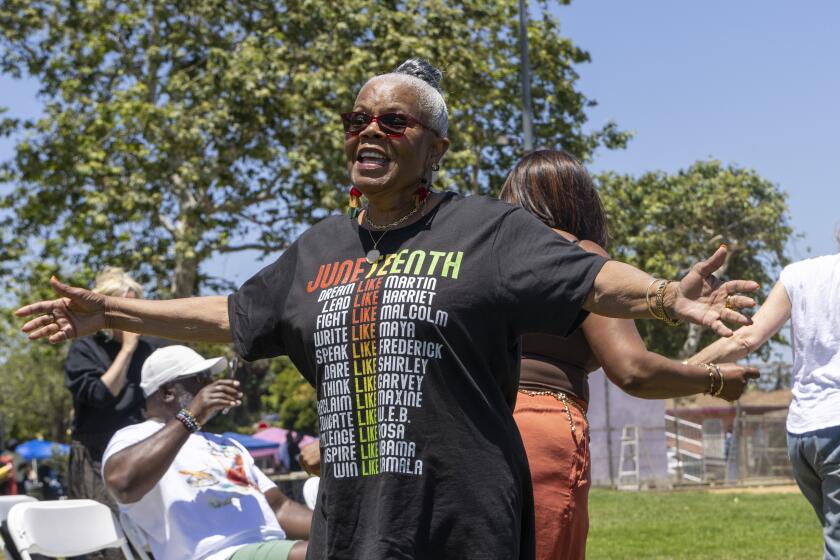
(175, 362)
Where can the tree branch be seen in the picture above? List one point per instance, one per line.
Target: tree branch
(252, 247)
(167, 224)
(153, 65)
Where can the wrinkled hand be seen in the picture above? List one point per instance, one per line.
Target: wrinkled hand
(219, 395)
(310, 458)
(735, 379)
(78, 312)
(701, 298)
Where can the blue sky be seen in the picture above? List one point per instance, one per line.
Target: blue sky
(754, 83)
(749, 82)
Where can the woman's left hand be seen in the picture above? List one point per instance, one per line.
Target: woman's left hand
(702, 298)
(736, 378)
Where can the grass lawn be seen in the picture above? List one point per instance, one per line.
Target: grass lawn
(701, 525)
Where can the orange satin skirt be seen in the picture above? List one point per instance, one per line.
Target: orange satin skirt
(560, 472)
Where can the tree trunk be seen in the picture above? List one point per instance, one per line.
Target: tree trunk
(692, 341)
(186, 273)
(187, 234)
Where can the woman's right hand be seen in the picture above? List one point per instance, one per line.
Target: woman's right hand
(735, 380)
(78, 312)
(129, 341)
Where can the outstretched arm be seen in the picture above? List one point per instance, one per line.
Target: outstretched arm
(79, 312)
(621, 291)
(767, 321)
(627, 362)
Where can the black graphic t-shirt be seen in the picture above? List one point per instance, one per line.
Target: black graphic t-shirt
(415, 362)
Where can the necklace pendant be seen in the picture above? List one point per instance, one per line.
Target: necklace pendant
(373, 256)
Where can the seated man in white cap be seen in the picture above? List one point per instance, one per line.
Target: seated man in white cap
(195, 494)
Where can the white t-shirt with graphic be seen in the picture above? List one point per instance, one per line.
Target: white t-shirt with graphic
(813, 286)
(209, 502)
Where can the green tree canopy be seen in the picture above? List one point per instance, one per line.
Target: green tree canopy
(177, 130)
(292, 397)
(665, 223)
(33, 399)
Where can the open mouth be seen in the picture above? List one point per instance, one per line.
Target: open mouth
(372, 158)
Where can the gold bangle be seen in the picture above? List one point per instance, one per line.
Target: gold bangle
(719, 392)
(660, 305)
(711, 371)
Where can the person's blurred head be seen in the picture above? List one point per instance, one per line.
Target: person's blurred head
(557, 189)
(395, 153)
(114, 281)
(172, 376)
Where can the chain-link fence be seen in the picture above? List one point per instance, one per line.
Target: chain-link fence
(755, 448)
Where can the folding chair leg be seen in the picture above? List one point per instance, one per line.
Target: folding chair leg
(127, 551)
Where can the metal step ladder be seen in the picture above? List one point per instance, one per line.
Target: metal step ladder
(628, 467)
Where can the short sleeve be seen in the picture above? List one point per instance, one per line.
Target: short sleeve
(263, 482)
(128, 436)
(543, 279)
(790, 278)
(256, 310)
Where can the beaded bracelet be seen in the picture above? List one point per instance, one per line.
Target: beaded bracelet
(188, 420)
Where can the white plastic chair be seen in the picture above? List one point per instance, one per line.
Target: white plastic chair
(6, 503)
(135, 536)
(64, 528)
(310, 491)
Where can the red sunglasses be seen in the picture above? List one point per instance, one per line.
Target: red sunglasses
(392, 124)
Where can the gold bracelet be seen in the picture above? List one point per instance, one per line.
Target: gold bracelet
(660, 305)
(654, 307)
(711, 371)
(719, 392)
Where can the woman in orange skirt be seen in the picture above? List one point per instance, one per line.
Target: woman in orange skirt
(553, 387)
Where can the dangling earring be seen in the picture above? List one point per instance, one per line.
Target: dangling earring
(421, 194)
(355, 202)
(435, 167)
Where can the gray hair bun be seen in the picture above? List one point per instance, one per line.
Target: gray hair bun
(420, 68)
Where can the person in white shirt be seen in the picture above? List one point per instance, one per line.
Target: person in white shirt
(195, 494)
(808, 293)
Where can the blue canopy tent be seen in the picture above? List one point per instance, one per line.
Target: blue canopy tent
(37, 450)
(257, 447)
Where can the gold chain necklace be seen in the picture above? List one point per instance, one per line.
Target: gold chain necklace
(374, 255)
(395, 223)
